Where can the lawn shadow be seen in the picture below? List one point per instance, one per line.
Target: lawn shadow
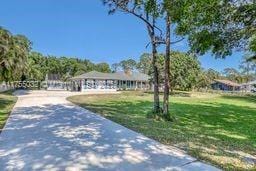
(5, 102)
(245, 98)
(211, 115)
(228, 129)
(173, 93)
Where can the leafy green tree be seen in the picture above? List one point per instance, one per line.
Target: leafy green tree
(82, 66)
(248, 68)
(102, 67)
(144, 64)
(233, 75)
(5, 39)
(213, 74)
(6, 61)
(115, 67)
(218, 26)
(203, 82)
(36, 69)
(128, 65)
(14, 50)
(185, 71)
(66, 67)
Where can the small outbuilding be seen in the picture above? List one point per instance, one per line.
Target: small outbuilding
(249, 87)
(225, 85)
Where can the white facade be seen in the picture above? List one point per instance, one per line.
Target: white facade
(93, 85)
(98, 85)
(97, 81)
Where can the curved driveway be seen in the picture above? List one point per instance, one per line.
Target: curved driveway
(46, 132)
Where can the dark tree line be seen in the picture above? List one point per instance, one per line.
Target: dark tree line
(66, 67)
(186, 72)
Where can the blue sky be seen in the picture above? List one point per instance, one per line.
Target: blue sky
(83, 28)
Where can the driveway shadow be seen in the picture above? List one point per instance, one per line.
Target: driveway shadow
(64, 136)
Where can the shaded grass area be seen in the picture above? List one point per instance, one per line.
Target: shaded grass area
(216, 128)
(7, 101)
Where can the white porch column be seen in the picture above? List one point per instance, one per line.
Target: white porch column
(115, 84)
(82, 85)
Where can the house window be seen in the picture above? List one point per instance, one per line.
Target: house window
(85, 84)
(106, 84)
(89, 84)
(94, 84)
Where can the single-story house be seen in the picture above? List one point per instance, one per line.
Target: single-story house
(225, 85)
(98, 81)
(249, 87)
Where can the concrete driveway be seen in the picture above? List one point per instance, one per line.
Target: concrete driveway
(46, 132)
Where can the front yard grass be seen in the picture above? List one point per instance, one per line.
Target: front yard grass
(7, 101)
(219, 129)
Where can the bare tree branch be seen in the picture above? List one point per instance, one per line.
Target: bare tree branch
(178, 40)
(148, 44)
(122, 5)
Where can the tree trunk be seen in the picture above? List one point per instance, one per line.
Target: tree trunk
(151, 32)
(155, 78)
(167, 68)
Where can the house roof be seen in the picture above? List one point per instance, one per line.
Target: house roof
(95, 75)
(135, 76)
(228, 82)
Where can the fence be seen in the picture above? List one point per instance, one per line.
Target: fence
(5, 87)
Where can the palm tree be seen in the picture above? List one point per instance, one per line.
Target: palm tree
(22, 47)
(5, 38)
(5, 62)
(13, 55)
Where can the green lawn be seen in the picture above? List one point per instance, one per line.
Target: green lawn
(7, 101)
(216, 128)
